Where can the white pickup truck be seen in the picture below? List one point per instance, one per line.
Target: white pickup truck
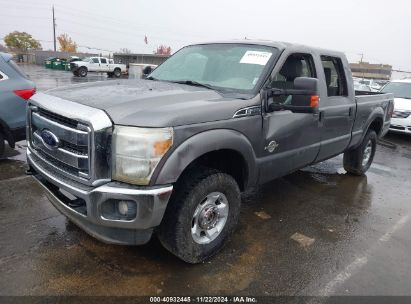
(97, 64)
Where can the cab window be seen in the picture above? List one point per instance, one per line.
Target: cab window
(95, 60)
(296, 65)
(103, 60)
(334, 76)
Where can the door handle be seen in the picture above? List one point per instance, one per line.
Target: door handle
(350, 112)
(321, 116)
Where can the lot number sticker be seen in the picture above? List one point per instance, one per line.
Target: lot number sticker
(255, 57)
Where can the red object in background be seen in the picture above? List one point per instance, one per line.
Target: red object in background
(163, 50)
(25, 94)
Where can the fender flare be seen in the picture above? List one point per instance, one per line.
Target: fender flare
(197, 145)
(378, 113)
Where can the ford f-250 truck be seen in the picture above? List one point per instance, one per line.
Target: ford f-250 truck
(97, 64)
(171, 154)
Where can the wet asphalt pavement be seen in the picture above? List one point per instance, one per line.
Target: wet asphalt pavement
(354, 235)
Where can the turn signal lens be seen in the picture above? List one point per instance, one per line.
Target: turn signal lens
(161, 147)
(25, 94)
(314, 101)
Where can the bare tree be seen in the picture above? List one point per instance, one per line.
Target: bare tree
(163, 50)
(125, 51)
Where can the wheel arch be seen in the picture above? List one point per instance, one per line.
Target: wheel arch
(226, 150)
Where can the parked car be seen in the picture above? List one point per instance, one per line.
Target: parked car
(172, 153)
(15, 90)
(361, 87)
(372, 84)
(401, 118)
(97, 64)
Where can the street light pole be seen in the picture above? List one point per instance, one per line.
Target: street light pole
(54, 30)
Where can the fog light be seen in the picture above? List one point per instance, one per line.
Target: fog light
(128, 209)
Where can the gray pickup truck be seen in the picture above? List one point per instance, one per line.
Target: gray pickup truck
(171, 154)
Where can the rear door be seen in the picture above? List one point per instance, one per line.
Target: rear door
(337, 108)
(104, 65)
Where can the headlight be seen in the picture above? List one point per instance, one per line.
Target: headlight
(137, 152)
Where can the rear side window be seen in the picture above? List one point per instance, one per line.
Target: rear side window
(103, 60)
(17, 69)
(95, 60)
(334, 76)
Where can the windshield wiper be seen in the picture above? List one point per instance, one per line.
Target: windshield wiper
(195, 83)
(151, 78)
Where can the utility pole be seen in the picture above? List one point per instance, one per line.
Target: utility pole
(54, 30)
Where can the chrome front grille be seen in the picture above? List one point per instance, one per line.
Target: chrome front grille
(81, 135)
(73, 151)
(401, 114)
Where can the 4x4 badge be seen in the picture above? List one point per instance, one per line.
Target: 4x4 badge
(271, 146)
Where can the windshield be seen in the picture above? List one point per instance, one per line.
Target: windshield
(86, 59)
(236, 67)
(399, 89)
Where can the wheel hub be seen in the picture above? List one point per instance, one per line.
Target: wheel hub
(209, 218)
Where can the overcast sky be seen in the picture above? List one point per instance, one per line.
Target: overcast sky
(379, 29)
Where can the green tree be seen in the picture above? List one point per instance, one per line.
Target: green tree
(21, 41)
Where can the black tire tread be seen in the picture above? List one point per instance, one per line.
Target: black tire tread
(353, 158)
(171, 234)
(2, 144)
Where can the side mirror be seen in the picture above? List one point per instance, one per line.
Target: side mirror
(304, 96)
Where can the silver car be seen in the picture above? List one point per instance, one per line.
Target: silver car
(15, 89)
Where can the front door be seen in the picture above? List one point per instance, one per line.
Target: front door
(94, 65)
(291, 140)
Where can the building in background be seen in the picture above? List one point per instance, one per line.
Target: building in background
(371, 71)
(152, 59)
(400, 74)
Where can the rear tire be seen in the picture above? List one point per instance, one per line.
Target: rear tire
(359, 160)
(2, 144)
(202, 213)
(110, 74)
(117, 72)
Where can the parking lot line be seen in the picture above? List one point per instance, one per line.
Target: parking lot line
(361, 261)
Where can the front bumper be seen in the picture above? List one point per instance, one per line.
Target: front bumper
(83, 205)
(401, 125)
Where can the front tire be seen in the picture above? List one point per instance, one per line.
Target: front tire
(2, 144)
(359, 160)
(201, 215)
(75, 73)
(82, 72)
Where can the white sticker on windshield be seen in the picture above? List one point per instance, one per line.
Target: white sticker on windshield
(255, 57)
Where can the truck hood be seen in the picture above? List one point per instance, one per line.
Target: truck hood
(402, 104)
(148, 103)
(79, 62)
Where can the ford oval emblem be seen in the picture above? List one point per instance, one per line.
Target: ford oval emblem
(50, 140)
